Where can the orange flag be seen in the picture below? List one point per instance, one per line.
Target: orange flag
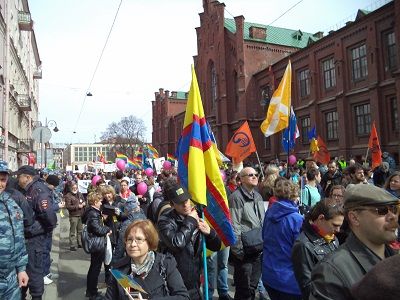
(241, 144)
(322, 155)
(375, 148)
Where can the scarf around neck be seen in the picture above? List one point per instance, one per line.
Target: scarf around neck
(144, 269)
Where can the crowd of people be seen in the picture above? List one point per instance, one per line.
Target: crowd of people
(306, 231)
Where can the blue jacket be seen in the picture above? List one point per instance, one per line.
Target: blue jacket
(282, 225)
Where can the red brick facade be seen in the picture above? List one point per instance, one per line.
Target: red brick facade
(340, 83)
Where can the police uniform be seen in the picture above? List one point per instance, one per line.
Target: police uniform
(13, 255)
(39, 198)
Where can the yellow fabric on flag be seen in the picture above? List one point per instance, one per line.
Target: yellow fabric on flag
(279, 108)
(314, 146)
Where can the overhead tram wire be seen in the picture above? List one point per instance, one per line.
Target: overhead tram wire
(289, 9)
(97, 66)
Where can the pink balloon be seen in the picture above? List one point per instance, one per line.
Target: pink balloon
(141, 188)
(121, 164)
(95, 179)
(149, 172)
(292, 159)
(167, 165)
(223, 175)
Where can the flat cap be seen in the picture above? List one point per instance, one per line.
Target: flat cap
(357, 195)
(28, 170)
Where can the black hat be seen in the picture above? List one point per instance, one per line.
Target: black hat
(28, 170)
(177, 194)
(53, 180)
(357, 195)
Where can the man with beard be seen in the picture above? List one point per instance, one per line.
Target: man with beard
(372, 214)
(331, 178)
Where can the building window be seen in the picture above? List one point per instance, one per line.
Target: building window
(214, 92)
(363, 119)
(267, 143)
(328, 69)
(359, 62)
(304, 81)
(305, 128)
(394, 115)
(391, 51)
(331, 125)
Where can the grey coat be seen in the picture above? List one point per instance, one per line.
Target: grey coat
(247, 212)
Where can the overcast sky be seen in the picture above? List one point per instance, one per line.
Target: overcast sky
(151, 47)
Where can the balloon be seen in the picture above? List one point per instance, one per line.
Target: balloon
(121, 164)
(141, 188)
(167, 165)
(292, 160)
(223, 175)
(149, 172)
(95, 179)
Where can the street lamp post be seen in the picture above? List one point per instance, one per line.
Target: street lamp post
(42, 134)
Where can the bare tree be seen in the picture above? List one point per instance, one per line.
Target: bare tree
(126, 135)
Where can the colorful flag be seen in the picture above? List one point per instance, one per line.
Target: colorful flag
(198, 168)
(152, 152)
(171, 158)
(100, 157)
(312, 133)
(121, 156)
(126, 281)
(312, 137)
(133, 164)
(279, 106)
(322, 155)
(241, 144)
(374, 146)
(291, 133)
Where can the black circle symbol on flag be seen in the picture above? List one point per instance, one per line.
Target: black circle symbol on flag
(241, 138)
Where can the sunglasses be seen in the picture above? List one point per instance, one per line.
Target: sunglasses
(382, 210)
(252, 174)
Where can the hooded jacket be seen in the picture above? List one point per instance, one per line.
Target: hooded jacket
(282, 225)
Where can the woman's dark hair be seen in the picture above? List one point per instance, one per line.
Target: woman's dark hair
(312, 173)
(327, 207)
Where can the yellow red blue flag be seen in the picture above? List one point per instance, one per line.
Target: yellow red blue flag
(198, 168)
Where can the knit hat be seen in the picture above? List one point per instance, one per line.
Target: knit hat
(53, 180)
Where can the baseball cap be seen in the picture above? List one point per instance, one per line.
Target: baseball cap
(177, 194)
(28, 170)
(4, 167)
(367, 195)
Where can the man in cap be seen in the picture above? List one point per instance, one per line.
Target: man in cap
(13, 255)
(372, 214)
(180, 230)
(39, 197)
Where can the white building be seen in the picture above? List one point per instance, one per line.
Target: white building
(20, 69)
(86, 154)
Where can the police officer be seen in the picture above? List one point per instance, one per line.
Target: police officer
(38, 196)
(13, 256)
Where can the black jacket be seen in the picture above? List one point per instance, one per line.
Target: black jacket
(328, 181)
(333, 277)
(308, 249)
(94, 221)
(154, 282)
(180, 237)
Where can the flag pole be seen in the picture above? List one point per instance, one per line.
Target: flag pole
(288, 145)
(203, 244)
(366, 156)
(259, 163)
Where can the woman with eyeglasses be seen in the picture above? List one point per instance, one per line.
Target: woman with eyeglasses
(337, 193)
(93, 219)
(156, 273)
(316, 240)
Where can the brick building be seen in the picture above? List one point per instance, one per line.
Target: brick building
(340, 82)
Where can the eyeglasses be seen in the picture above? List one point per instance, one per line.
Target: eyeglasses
(382, 210)
(138, 241)
(251, 175)
(337, 196)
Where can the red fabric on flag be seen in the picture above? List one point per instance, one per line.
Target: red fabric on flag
(375, 148)
(322, 155)
(241, 144)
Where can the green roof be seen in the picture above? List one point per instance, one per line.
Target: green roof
(179, 95)
(275, 35)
